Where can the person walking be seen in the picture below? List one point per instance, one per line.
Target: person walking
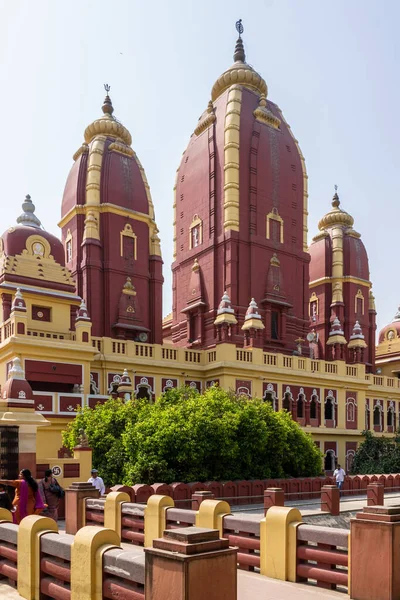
(97, 482)
(51, 492)
(339, 474)
(27, 499)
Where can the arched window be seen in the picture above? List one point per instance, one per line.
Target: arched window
(350, 410)
(287, 402)
(390, 415)
(313, 407)
(143, 391)
(377, 415)
(329, 409)
(330, 461)
(349, 460)
(300, 406)
(268, 397)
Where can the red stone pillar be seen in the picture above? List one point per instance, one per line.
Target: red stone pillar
(155, 298)
(199, 497)
(330, 499)
(75, 497)
(375, 554)
(273, 497)
(92, 285)
(375, 494)
(191, 563)
(6, 301)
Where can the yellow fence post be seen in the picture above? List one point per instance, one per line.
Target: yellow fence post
(87, 551)
(30, 531)
(113, 511)
(5, 515)
(211, 515)
(276, 545)
(155, 518)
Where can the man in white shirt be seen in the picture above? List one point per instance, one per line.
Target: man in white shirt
(339, 474)
(97, 482)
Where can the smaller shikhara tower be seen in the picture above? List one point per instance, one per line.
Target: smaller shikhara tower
(240, 271)
(110, 234)
(341, 304)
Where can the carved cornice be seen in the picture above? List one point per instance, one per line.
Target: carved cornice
(82, 150)
(121, 149)
(320, 236)
(352, 233)
(263, 115)
(206, 121)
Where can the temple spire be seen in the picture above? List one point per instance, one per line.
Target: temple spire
(107, 105)
(335, 199)
(28, 217)
(239, 54)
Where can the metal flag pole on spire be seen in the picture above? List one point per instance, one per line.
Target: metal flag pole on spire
(239, 27)
(239, 54)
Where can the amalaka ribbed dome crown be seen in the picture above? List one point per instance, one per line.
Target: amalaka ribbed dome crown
(240, 72)
(336, 217)
(107, 125)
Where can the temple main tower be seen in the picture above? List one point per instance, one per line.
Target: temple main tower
(240, 271)
(341, 304)
(110, 234)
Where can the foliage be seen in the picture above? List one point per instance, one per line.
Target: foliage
(187, 436)
(377, 455)
(104, 426)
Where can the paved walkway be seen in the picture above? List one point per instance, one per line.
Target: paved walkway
(8, 593)
(313, 507)
(250, 586)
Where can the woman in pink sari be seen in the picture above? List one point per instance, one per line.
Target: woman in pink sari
(27, 499)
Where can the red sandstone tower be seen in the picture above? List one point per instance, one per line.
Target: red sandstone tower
(240, 222)
(341, 305)
(110, 235)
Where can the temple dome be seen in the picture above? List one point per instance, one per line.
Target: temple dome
(29, 237)
(355, 257)
(106, 169)
(392, 330)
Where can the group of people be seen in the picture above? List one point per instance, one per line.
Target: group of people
(31, 497)
(37, 498)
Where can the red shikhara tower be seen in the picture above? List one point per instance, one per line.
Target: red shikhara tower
(240, 222)
(110, 235)
(341, 304)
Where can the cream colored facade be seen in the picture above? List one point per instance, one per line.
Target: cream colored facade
(149, 366)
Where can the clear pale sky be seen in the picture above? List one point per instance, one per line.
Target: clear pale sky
(332, 67)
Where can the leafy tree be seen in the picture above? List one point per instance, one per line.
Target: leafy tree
(104, 426)
(377, 455)
(187, 436)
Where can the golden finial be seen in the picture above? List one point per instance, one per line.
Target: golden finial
(335, 200)
(107, 105)
(239, 54)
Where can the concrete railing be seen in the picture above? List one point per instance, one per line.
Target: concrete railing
(242, 492)
(93, 565)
